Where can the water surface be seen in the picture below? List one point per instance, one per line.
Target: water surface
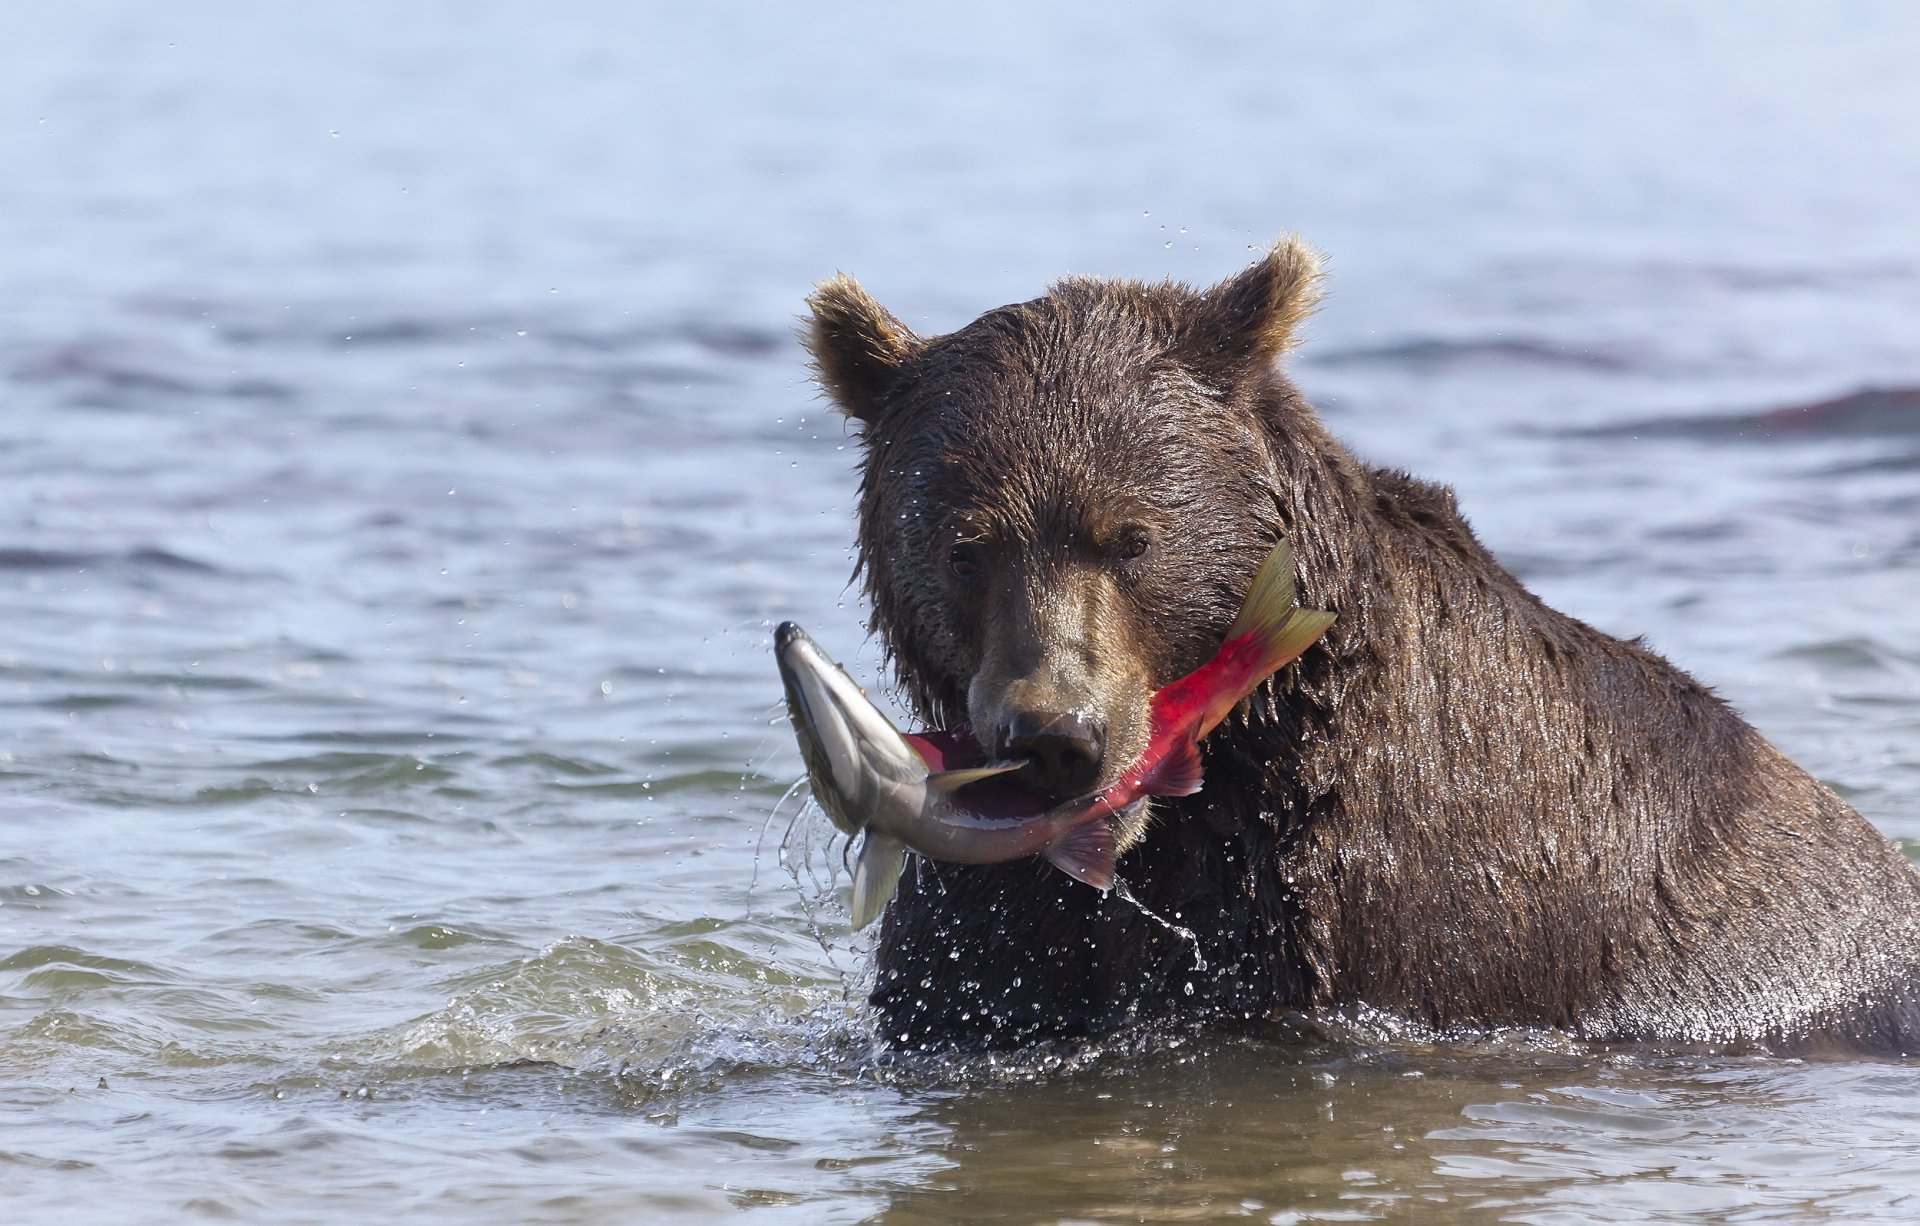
(404, 454)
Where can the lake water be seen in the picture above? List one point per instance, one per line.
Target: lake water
(404, 454)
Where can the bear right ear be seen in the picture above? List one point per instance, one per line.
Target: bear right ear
(858, 347)
(1253, 316)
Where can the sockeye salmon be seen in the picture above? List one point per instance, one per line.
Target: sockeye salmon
(935, 792)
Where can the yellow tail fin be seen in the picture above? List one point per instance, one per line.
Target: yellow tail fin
(1271, 613)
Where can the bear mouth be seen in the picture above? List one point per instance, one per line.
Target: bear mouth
(1020, 794)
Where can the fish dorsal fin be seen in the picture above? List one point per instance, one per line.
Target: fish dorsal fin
(948, 782)
(1086, 853)
(1177, 774)
(1282, 628)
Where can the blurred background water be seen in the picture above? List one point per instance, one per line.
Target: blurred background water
(404, 452)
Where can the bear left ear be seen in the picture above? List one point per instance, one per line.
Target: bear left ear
(1253, 316)
(858, 347)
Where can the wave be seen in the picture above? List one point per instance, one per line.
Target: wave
(1430, 353)
(1872, 412)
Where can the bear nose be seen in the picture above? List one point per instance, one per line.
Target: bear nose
(1062, 750)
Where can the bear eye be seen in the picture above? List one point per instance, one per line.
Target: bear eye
(1134, 543)
(964, 560)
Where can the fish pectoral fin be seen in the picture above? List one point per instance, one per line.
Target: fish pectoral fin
(875, 873)
(1086, 853)
(1177, 774)
(947, 782)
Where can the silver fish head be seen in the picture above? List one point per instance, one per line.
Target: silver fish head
(857, 762)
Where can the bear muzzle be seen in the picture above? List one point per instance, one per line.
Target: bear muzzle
(1063, 750)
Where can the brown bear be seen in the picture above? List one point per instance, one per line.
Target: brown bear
(1460, 807)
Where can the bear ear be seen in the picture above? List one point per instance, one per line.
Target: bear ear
(1252, 317)
(858, 347)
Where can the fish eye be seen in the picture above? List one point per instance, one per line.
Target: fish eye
(963, 560)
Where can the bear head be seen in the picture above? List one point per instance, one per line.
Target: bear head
(1062, 503)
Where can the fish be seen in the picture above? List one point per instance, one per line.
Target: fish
(936, 792)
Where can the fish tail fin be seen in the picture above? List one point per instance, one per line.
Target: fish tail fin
(875, 873)
(1086, 853)
(1273, 616)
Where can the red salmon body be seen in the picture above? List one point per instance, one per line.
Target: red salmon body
(1270, 632)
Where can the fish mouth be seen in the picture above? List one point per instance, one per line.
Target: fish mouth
(825, 703)
(786, 634)
(808, 677)
(844, 739)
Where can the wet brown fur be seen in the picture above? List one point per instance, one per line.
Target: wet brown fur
(1460, 806)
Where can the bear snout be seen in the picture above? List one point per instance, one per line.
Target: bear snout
(1063, 749)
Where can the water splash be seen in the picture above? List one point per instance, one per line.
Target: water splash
(760, 843)
(1122, 892)
(800, 856)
